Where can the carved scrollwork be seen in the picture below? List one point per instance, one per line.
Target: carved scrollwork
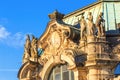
(116, 49)
(76, 57)
(44, 58)
(56, 15)
(72, 34)
(30, 70)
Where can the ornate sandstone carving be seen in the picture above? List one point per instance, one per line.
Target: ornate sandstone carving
(56, 16)
(116, 49)
(29, 71)
(60, 45)
(30, 49)
(27, 46)
(34, 49)
(57, 38)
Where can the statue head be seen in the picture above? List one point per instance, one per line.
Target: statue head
(27, 37)
(89, 13)
(82, 17)
(33, 37)
(101, 13)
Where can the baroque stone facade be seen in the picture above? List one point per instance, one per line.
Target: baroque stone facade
(89, 51)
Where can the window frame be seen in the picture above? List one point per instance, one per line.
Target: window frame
(61, 66)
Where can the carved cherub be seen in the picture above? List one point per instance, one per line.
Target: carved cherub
(27, 44)
(27, 47)
(34, 48)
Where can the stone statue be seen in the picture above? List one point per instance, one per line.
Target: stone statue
(34, 48)
(90, 24)
(100, 24)
(27, 47)
(83, 27)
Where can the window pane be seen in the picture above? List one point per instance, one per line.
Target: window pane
(61, 73)
(57, 70)
(64, 67)
(66, 75)
(57, 77)
(72, 76)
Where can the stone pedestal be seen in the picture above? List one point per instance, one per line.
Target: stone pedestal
(97, 48)
(80, 74)
(99, 73)
(91, 39)
(92, 74)
(97, 59)
(82, 45)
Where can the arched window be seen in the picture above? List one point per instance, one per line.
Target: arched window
(61, 73)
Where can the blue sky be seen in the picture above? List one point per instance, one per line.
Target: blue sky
(21, 17)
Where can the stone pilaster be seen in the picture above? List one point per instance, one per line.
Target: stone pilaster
(80, 73)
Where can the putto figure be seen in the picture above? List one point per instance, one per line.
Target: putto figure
(27, 47)
(34, 52)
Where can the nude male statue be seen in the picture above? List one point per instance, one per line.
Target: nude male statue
(90, 24)
(100, 25)
(83, 27)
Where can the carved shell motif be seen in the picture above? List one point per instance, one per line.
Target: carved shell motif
(55, 40)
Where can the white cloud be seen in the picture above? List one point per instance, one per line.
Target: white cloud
(14, 40)
(3, 33)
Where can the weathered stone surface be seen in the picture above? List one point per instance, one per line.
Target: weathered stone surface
(91, 55)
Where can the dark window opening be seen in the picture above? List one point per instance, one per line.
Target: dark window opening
(118, 27)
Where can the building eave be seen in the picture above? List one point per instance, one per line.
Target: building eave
(86, 7)
(79, 10)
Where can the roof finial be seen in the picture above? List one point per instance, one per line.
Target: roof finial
(56, 15)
